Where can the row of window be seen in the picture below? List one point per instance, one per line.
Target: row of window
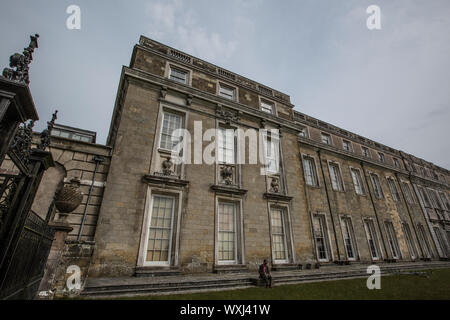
(225, 91)
(323, 244)
(161, 227)
(160, 233)
(434, 199)
(311, 178)
(348, 146)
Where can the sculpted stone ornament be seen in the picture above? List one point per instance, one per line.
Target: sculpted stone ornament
(274, 186)
(69, 198)
(45, 135)
(167, 167)
(226, 173)
(226, 115)
(19, 63)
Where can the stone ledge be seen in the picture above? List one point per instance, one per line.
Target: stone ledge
(156, 271)
(277, 197)
(228, 189)
(168, 181)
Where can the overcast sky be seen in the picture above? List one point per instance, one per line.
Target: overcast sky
(390, 85)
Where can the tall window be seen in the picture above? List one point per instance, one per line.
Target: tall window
(171, 122)
(372, 238)
(272, 155)
(407, 191)
(381, 157)
(347, 145)
(349, 237)
(392, 238)
(310, 172)
(160, 230)
(267, 107)
(444, 201)
(424, 241)
(357, 181)
(393, 189)
(321, 237)
(178, 75)
(226, 145)
(435, 199)
(336, 178)
(279, 243)
(409, 240)
(227, 233)
(365, 151)
(326, 138)
(396, 163)
(227, 92)
(426, 199)
(376, 186)
(440, 239)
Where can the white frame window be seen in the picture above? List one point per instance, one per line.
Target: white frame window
(393, 189)
(267, 106)
(170, 122)
(372, 238)
(227, 233)
(347, 145)
(326, 138)
(226, 145)
(336, 176)
(392, 239)
(365, 151)
(227, 92)
(159, 231)
(348, 235)
(409, 240)
(309, 165)
(279, 235)
(357, 181)
(272, 154)
(179, 75)
(320, 234)
(375, 180)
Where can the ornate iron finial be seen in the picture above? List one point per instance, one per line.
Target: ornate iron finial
(45, 135)
(19, 63)
(21, 145)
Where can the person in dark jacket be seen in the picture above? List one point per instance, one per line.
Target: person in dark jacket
(264, 274)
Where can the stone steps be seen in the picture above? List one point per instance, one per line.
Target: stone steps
(134, 286)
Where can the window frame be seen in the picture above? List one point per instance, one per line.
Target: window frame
(349, 144)
(339, 172)
(361, 182)
(176, 68)
(263, 102)
(393, 189)
(381, 157)
(315, 172)
(374, 236)
(229, 87)
(324, 134)
(347, 221)
(322, 218)
(363, 152)
(172, 112)
(378, 187)
(392, 236)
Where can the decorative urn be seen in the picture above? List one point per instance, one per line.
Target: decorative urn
(69, 198)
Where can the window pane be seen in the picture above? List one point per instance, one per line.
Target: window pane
(278, 235)
(171, 122)
(227, 92)
(160, 229)
(178, 75)
(226, 232)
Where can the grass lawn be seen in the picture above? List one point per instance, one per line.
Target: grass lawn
(437, 286)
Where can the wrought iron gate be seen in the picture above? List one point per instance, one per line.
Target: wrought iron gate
(25, 238)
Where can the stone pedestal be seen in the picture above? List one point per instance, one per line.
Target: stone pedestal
(62, 229)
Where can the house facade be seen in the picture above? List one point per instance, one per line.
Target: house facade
(317, 193)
